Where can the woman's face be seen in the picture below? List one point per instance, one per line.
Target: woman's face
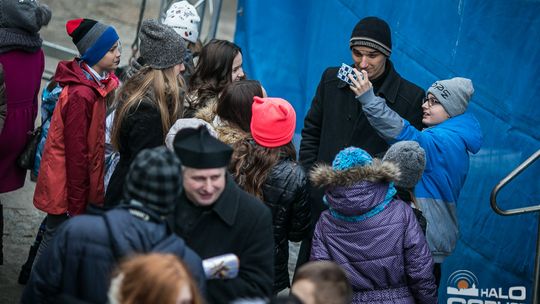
(185, 296)
(179, 69)
(237, 71)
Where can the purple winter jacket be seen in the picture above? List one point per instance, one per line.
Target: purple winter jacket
(386, 256)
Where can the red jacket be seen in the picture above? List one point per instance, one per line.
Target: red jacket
(71, 171)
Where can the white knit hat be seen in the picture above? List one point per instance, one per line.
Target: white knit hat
(184, 19)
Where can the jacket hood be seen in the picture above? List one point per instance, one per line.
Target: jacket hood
(324, 175)
(357, 199)
(226, 133)
(129, 233)
(70, 73)
(467, 127)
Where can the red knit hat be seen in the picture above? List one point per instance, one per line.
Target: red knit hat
(273, 121)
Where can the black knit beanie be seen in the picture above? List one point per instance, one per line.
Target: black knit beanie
(372, 32)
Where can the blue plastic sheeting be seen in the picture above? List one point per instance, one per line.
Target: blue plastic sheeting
(287, 45)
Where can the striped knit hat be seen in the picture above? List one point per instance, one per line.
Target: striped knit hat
(374, 33)
(154, 180)
(93, 39)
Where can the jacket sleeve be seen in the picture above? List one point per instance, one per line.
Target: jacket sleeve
(300, 215)
(194, 263)
(382, 118)
(256, 274)
(311, 133)
(418, 263)
(319, 250)
(45, 282)
(77, 115)
(3, 106)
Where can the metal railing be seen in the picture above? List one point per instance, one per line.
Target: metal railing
(58, 52)
(214, 9)
(523, 210)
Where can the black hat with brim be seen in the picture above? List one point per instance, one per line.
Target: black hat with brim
(197, 149)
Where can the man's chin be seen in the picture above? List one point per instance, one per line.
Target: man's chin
(206, 201)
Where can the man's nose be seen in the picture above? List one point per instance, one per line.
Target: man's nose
(208, 186)
(363, 62)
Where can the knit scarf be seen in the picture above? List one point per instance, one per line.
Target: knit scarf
(16, 39)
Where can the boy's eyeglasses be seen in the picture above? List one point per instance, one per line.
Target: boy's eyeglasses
(431, 101)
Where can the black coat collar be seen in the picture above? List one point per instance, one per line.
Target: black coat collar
(226, 207)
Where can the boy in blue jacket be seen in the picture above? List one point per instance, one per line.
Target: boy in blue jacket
(451, 134)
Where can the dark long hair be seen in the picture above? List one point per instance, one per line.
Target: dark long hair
(234, 104)
(251, 163)
(214, 69)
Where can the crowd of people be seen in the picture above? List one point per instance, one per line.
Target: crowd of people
(177, 181)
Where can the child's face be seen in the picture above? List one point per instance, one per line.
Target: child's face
(434, 112)
(111, 60)
(237, 70)
(305, 291)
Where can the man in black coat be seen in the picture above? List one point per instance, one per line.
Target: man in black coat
(79, 263)
(336, 120)
(215, 217)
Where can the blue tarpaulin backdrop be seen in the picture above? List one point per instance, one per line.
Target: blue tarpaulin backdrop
(287, 45)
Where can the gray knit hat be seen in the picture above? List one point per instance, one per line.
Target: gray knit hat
(28, 15)
(411, 161)
(161, 46)
(453, 94)
(155, 180)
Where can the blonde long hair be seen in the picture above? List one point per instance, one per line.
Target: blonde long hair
(164, 89)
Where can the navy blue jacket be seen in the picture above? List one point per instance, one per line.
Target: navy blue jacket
(84, 253)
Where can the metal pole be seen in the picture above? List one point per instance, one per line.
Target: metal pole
(536, 282)
(215, 20)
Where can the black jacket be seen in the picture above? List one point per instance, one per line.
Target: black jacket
(84, 252)
(336, 120)
(285, 193)
(141, 129)
(236, 223)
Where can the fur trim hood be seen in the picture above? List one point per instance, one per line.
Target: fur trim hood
(226, 133)
(323, 175)
(207, 113)
(230, 135)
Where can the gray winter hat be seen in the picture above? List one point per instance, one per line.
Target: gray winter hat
(28, 15)
(161, 47)
(453, 94)
(411, 161)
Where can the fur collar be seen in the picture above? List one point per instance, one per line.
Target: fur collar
(322, 175)
(208, 112)
(230, 135)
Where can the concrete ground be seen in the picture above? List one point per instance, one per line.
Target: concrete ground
(21, 219)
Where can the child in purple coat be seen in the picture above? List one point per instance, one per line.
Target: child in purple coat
(370, 234)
